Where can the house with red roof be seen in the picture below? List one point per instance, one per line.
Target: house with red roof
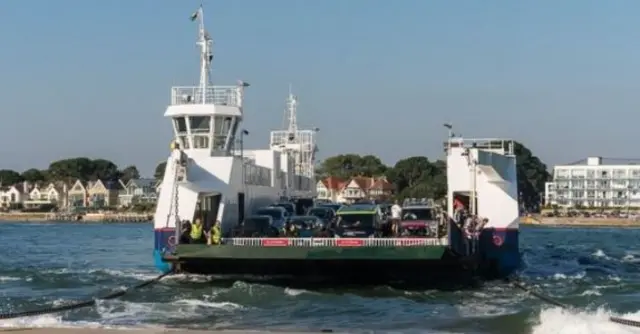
(356, 188)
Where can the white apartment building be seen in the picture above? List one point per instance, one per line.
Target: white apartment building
(594, 183)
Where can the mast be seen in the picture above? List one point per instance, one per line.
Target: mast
(206, 52)
(292, 110)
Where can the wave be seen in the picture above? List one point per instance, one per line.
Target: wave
(557, 320)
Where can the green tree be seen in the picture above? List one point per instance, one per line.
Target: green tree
(84, 169)
(34, 175)
(350, 165)
(159, 172)
(532, 176)
(129, 173)
(9, 177)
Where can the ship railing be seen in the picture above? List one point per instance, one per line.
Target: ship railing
(218, 95)
(336, 242)
(500, 144)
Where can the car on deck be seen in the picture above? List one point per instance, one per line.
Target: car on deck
(278, 215)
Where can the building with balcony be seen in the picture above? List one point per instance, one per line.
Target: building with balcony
(595, 182)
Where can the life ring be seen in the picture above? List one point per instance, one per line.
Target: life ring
(497, 240)
(171, 241)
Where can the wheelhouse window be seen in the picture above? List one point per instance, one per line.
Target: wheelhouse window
(200, 141)
(180, 124)
(221, 127)
(417, 214)
(200, 124)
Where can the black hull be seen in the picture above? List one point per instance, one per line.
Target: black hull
(451, 272)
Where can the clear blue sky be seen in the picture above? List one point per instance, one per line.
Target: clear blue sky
(92, 78)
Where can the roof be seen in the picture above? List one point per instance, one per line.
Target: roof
(333, 183)
(142, 183)
(112, 184)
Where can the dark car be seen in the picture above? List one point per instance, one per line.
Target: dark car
(334, 206)
(326, 214)
(289, 207)
(307, 226)
(278, 215)
(256, 226)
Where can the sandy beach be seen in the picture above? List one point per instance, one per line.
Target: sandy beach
(132, 331)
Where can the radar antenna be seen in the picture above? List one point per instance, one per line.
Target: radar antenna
(206, 52)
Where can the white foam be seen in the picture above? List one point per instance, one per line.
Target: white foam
(592, 292)
(560, 276)
(51, 321)
(600, 253)
(560, 321)
(295, 292)
(9, 279)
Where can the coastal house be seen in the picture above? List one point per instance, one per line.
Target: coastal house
(138, 191)
(329, 188)
(104, 193)
(77, 196)
(12, 196)
(354, 189)
(36, 196)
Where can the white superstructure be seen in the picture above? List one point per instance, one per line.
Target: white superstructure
(298, 148)
(209, 175)
(595, 182)
(482, 174)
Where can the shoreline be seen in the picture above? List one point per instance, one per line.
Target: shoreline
(92, 330)
(40, 217)
(579, 222)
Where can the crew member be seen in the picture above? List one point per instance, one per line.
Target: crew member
(396, 213)
(215, 235)
(196, 234)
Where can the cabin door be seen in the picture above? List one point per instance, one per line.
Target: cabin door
(240, 208)
(207, 208)
(464, 198)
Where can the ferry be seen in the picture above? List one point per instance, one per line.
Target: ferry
(207, 177)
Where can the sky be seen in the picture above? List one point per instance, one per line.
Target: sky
(93, 78)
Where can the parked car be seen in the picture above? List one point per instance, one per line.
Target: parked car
(256, 226)
(307, 226)
(278, 215)
(326, 214)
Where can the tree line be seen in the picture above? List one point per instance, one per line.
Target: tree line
(70, 170)
(420, 177)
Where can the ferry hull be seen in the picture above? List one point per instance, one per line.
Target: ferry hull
(499, 251)
(432, 266)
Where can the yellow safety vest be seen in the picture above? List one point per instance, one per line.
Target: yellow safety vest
(196, 231)
(216, 235)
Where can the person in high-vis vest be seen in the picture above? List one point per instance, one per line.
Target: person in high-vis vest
(215, 235)
(196, 234)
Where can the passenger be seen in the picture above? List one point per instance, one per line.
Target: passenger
(396, 213)
(285, 229)
(293, 231)
(215, 235)
(184, 233)
(196, 234)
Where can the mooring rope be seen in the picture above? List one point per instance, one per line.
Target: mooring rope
(522, 286)
(81, 304)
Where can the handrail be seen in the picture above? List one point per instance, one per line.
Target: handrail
(335, 242)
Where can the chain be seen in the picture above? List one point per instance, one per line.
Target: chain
(174, 196)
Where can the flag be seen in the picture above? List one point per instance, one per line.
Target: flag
(195, 15)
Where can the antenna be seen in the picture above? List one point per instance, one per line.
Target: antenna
(206, 52)
(292, 106)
